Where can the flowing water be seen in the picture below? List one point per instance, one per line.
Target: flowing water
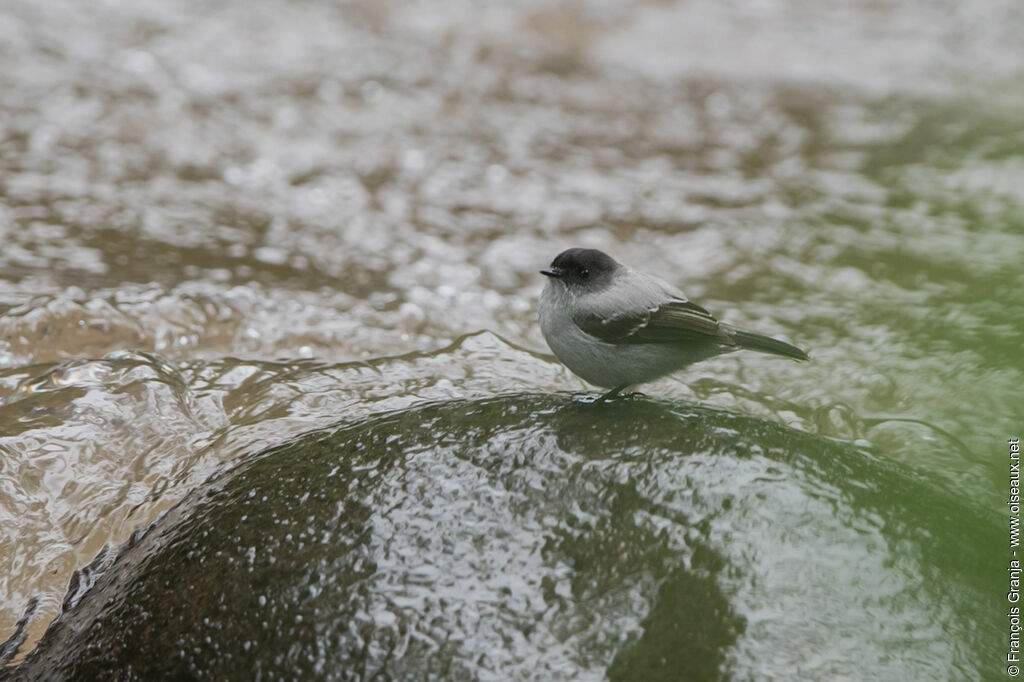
(225, 226)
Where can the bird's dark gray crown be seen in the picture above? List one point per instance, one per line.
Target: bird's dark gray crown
(583, 265)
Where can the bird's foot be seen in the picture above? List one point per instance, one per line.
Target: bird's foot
(613, 394)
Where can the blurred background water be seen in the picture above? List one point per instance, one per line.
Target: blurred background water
(223, 226)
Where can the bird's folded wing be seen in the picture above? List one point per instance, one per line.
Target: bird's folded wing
(671, 322)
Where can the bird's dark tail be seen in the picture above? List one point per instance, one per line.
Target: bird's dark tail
(767, 344)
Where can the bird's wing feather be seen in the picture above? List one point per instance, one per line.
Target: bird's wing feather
(673, 321)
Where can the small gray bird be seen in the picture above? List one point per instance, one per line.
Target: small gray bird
(615, 327)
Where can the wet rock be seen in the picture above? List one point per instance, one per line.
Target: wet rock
(545, 537)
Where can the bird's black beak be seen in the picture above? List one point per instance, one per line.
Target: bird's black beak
(553, 272)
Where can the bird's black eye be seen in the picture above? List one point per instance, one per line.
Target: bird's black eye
(584, 273)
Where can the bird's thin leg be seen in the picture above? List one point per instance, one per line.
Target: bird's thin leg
(614, 392)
